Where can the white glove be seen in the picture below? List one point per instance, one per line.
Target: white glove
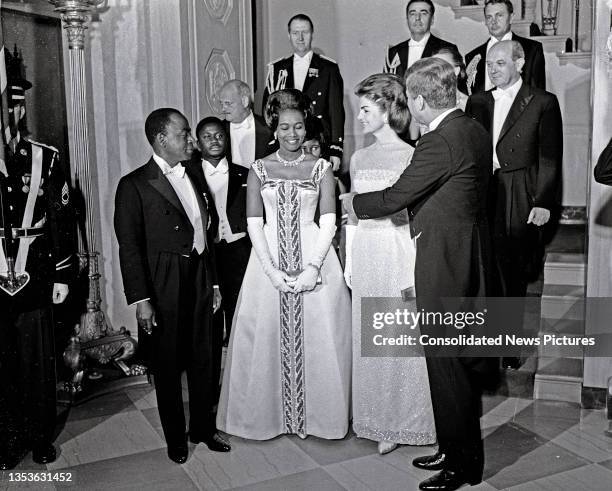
(278, 278)
(60, 292)
(348, 266)
(327, 229)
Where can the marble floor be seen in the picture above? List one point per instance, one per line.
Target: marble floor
(115, 442)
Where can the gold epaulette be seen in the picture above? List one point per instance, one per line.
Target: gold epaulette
(328, 59)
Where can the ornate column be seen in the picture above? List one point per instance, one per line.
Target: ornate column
(94, 338)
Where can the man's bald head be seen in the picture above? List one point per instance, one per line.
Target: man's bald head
(505, 61)
(235, 99)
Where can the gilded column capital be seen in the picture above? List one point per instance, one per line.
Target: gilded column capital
(75, 17)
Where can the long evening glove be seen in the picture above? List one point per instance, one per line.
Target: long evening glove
(348, 266)
(260, 246)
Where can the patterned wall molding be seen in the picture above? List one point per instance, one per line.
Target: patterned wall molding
(219, 9)
(218, 70)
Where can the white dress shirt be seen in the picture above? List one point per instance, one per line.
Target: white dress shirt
(218, 182)
(416, 48)
(493, 41)
(436, 121)
(186, 193)
(503, 103)
(301, 64)
(242, 138)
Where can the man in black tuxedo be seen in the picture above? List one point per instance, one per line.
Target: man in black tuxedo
(498, 18)
(526, 136)
(445, 190)
(422, 43)
(227, 184)
(248, 136)
(163, 226)
(315, 75)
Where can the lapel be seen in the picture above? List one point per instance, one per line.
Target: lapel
(234, 183)
(521, 101)
(161, 184)
(403, 54)
(228, 149)
(315, 63)
(430, 46)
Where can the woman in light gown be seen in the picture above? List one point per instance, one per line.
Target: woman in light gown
(288, 366)
(391, 399)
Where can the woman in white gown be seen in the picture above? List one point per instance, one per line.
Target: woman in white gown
(391, 399)
(288, 366)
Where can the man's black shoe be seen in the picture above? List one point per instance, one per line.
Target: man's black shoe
(44, 453)
(9, 461)
(214, 443)
(178, 453)
(447, 481)
(430, 462)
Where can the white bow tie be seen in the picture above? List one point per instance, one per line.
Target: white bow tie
(178, 170)
(416, 44)
(220, 169)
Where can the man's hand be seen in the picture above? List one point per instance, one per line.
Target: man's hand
(145, 316)
(347, 204)
(539, 216)
(216, 298)
(60, 292)
(335, 162)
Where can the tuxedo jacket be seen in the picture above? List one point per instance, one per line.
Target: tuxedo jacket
(396, 60)
(235, 207)
(534, 72)
(324, 87)
(265, 143)
(529, 149)
(603, 169)
(153, 228)
(444, 189)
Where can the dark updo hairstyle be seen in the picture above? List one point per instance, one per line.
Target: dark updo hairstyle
(283, 100)
(388, 92)
(457, 62)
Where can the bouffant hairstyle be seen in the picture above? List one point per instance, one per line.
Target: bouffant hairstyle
(434, 80)
(283, 100)
(388, 92)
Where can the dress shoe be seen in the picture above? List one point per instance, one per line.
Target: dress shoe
(447, 481)
(178, 453)
(44, 453)
(430, 462)
(215, 443)
(9, 461)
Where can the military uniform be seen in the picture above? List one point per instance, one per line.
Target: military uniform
(324, 87)
(36, 199)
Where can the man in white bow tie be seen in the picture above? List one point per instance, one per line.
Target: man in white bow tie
(422, 43)
(527, 137)
(164, 225)
(249, 137)
(227, 184)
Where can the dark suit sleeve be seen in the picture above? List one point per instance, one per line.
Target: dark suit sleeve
(335, 102)
(430, 166)
(129, 228)
(550, 154)
(603, 169)
(538, 68)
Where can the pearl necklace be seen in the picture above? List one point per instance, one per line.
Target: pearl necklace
(291, 163)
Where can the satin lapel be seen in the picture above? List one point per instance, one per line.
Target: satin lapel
(287, 64)
(521, 101)
(315, 64)
(228, 149)
(163, 186)
(233, 185)
(490, 111)
(198, 181)
(403, 54)
(429, 47)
